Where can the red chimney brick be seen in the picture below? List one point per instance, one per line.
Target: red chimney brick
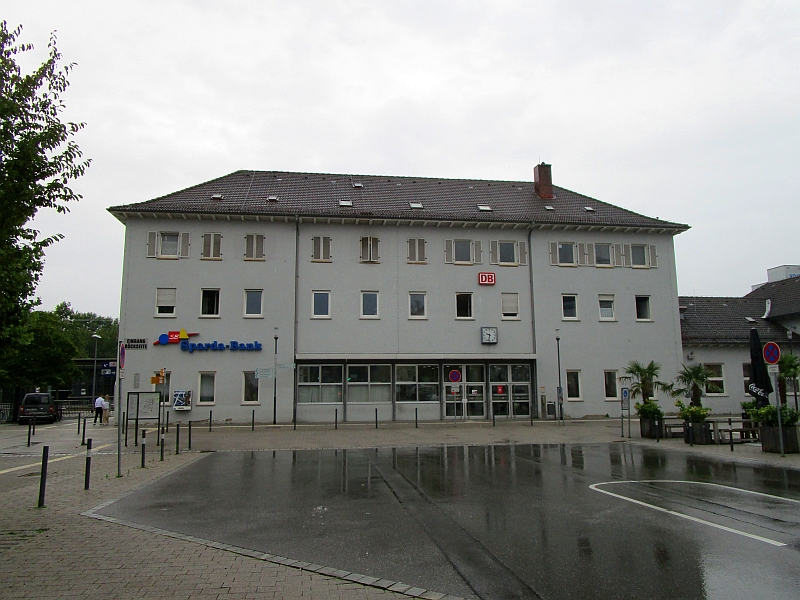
(543, 181)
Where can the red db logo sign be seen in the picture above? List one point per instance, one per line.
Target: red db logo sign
(486, 278)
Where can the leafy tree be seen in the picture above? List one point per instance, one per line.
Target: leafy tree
(693, 380)
(38, 160)
(81, 327)
(788, 368)
(47, 356)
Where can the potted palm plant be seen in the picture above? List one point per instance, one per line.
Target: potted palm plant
(788, 370)
(691, 382)
(643, 382)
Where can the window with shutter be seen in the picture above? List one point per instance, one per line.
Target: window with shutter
(421, 250)
(582, 254)
(259, 246)
(206, 252)
(369, 249)
(152, 237)
(463, 251)
(626, 255)
(165, 302)
(249, 243)
(478, 258)
(590, 255)
(554, 253)
(509, 305)
(216, 247)
(507, 253)
(448, 251)
(653, 256)
(523, 253)
(494, 254)
(412, 250)
(566, 253)
(603, 256)
(212, 245)
(618, 258)
(169, 244)
(639, 255)
(326, 248)
(321, 248)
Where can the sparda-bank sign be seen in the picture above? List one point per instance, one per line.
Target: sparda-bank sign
(182, 338)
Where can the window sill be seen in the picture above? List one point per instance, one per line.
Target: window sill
(639, 267)
(507, 264)
(644, 320)
(517, 318)
(250, 404)
(157, 316)
(463, 263)
(604, 266)
(167, 257)
(417, 318)
(253, 316)
(321, 317)
(465, 318)
(417, 262)
(199, 404)
(574, 399)
(251, 259)
(567, 264)
(214, 258)
(208, 317)
(612, 399)
(369, 318)
(608, 320)
(570, 319)
(321, 260)
(370, 262)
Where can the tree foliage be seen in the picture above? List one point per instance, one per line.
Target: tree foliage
(81, 326)
(643, 379)
(693, 380)
(38, 161)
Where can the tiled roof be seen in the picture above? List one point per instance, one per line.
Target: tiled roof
(384, 197)
(714, 320)
(784, 296)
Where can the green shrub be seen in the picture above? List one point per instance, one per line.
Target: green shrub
(649, 410)
(691, 413)
(768, 416)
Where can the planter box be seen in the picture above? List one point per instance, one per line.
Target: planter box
(697, 433)
(771, 442)
(647, 428)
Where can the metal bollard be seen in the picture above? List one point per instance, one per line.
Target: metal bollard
(125, 423)
(376, 418)
(253, 421)
(177, 438)
(144, 431)
(493, 423)
(190, 435)
(691, 432)
(79, 423)
(88, 463)
(658, 432)
(336, 418)
(730, 431)
(162, 444)
(167, 421)
(211, 412)
(43, 476)
(83, 439)
(34, 425)
(29, 433)
(416, 418)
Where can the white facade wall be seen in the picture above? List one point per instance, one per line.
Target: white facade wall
(590, 345)
(731, 358)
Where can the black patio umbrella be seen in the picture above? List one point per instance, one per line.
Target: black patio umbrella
(760, 385)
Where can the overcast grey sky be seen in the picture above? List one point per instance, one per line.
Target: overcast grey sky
(687, 111)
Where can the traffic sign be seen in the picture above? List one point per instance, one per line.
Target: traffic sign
(122, 355)
(773, 369)
(772, 353)
(626, 399)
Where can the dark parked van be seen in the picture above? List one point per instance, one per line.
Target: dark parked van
(39, 405)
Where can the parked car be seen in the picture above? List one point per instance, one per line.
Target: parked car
(39, 405)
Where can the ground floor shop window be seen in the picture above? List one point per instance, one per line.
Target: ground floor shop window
(319, 383)
(417, 383)
(510, 390)
(369, 383)
(207, 387)
(250, 387)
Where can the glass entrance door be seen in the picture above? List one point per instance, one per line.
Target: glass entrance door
(510, 387)
(464, 391)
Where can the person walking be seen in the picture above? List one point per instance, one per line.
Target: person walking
(106, 407)
(98, 410)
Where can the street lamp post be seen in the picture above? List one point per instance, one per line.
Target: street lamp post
(275, 381)
(94, 369)
(560, 395)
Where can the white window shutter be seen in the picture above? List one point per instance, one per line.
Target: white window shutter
(374, 255)
(412, 250)
(626, 255)
(248, 246)
(316, 248)
(448, 251)
(582, 254)
(476, 246)
(493, 253)
(421, 250)
(653, 256)
(152, 241)
(259, 246)
(364, 249)
(510, 303)
(618, 259)
(217, 249)
(184, 249)
(553, 253)
(166, 296)
(326, 248)
(590, 255)
(523, 253)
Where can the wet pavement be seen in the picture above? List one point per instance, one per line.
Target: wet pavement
(502, 521)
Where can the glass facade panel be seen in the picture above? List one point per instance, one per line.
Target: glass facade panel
(307, 374)
(332, 374)
(475, 373)
(358, 374)
(319, 383)
(498, 372)
(380, 373)
(406, 372)
(207, 387)
(406, 392)
(429, 373)
(250, 387)
(428, 393)
(521, 373)
(358, 393)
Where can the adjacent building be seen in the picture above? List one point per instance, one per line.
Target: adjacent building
(321, 296)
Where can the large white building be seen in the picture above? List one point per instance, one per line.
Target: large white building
(413, 297)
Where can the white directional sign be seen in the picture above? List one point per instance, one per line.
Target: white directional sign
(286, 366)
(773, 369)
(265, 373)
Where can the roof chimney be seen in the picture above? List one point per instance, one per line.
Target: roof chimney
(543, 181)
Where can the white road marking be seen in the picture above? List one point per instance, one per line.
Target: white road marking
(595, 487)
(52, 460)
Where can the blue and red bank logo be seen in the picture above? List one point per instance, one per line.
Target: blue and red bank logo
(182, 337)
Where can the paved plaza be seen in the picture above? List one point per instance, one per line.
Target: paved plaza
(59, 552)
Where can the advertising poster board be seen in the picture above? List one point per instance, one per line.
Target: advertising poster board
(182, 400)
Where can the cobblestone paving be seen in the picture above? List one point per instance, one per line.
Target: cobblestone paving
(55, 552)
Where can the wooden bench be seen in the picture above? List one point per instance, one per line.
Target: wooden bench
(672, 430)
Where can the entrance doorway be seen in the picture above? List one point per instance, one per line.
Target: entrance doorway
(464, 391)
(510, 387)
